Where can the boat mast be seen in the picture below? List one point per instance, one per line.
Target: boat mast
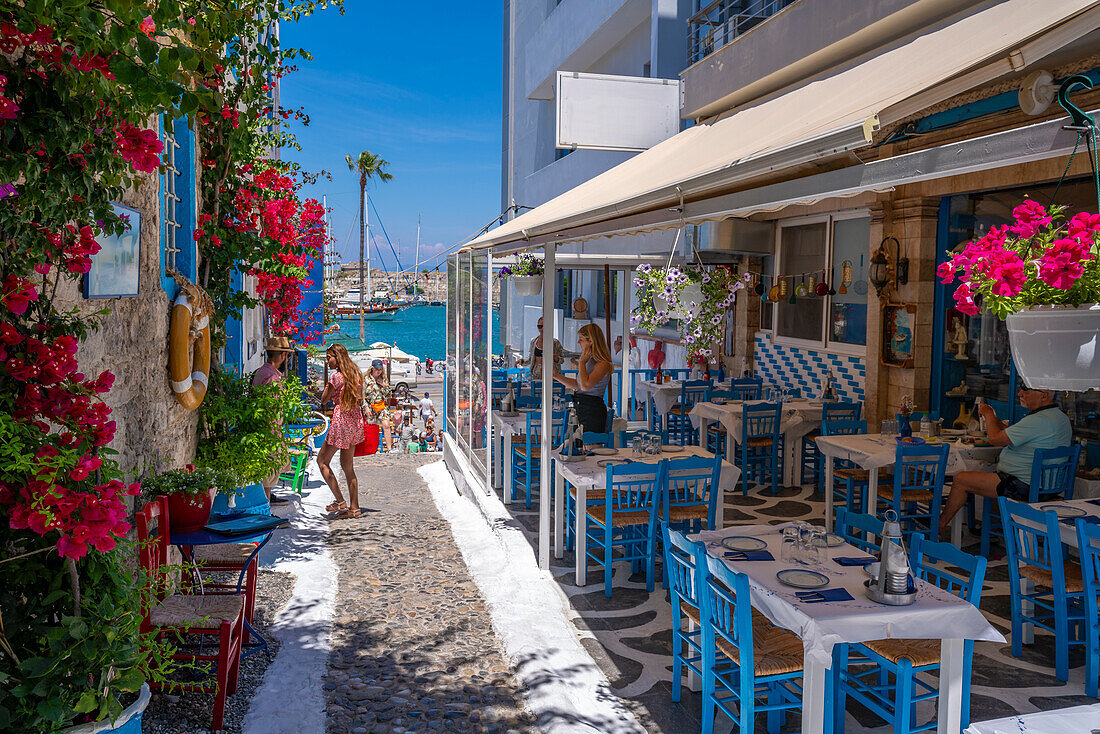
(416, 266)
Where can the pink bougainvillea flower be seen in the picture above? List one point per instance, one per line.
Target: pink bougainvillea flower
(17, 294)
(141, 148)
(148, 26)
(1030, 217)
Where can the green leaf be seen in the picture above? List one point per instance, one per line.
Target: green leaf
(147, 49)
(87, 703)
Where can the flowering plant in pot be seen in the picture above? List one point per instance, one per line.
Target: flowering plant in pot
(697, 297)
(526, 274)
(1041, 274)
(190, 493)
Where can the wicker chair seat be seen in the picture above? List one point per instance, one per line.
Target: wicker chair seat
(189, 611)
(919, 652)
(775, 650)
(536, 451)
(591, 494)
(224, 553)
(680, 513)
(759, 442)
(1074, 583)
(916, 495)
(620, 519)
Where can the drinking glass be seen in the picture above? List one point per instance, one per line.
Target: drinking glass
(655, 444)
(790, 551)
(815, 551)
(890, 428)
(635, 446)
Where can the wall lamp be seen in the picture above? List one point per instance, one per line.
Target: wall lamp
(878, 273)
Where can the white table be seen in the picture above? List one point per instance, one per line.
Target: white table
(505, 427)
(821, 626)
(874, 451)
(667, 394)
(588, 474)
(1086, 488)
(1062, 721)
(798, 418)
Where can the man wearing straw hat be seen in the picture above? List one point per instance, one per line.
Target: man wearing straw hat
(278, 349)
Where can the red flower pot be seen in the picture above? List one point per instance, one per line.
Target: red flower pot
(189, 513)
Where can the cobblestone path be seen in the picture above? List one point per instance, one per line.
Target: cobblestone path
(413, 644)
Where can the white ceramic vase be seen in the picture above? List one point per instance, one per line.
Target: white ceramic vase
(1057, 347)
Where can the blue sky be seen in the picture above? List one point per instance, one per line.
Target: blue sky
(420, 86)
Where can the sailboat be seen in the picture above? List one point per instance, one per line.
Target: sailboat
(347, 308)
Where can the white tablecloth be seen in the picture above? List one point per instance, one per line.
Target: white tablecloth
(936, 614)
(667, 394)
(588, 474)
(1081, 719)
(874, 451)
(1086, 488)
(1069, 529)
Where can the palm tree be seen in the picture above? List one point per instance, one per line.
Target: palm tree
(369, 166)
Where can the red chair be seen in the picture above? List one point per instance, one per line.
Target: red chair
(219, 615)
(228, 558)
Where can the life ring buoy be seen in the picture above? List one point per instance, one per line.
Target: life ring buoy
(188, 375)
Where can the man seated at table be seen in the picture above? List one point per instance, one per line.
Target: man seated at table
(1044, 427)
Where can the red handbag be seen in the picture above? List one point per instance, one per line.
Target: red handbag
(369, 444)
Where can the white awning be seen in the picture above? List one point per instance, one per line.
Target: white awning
(825, 116)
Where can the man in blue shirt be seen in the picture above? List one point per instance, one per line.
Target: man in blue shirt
(1045, 427)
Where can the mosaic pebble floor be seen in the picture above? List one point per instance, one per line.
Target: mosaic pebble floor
(630, 636)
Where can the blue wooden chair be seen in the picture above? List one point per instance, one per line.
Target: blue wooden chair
(689, 493)
(904, 660)
(627, 518)
(853, 478)
(678, 422)
(656, 420)
(761, 449)
(747, 388)
(1053, 473)
(811, 457)
(1033, 546)
(716, 434)
(681, 558)
(595, 496)
(771, 683)
(860, 530)
(527, 452)
(919, 473)
(1088, 542)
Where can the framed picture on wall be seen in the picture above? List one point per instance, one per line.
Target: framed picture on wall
(116, 267)
(898, 320)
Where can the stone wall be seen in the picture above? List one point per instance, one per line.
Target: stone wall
(133, 344)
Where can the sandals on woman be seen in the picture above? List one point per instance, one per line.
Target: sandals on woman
(336, 506)
(348, 515)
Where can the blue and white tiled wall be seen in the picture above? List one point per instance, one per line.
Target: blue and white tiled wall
(806, 369)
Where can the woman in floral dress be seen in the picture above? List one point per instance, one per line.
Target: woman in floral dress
(376, 392)
(345, 386)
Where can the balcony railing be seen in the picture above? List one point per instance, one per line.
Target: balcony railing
(722, 21)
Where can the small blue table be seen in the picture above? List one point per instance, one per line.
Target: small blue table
(188, 540)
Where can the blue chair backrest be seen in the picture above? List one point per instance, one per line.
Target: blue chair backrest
(723, 395)
(501, 384)
(842, 427)
(1054, 471)
(692, 392)
(747, 388)
(680, 565)
(591, 438)
(726, 608)
(862, 531)
(534, 428)
(760, 421)
(633, 487)
(678, 373)
(841, 410)
(920, 467)
(1088, 542)
(967, 585)
(1032, 537)
(526, 401)
(691, 480)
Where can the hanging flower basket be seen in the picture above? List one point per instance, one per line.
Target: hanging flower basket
(697, 298)
(1043, 278)
(1057, 347)
(527, 285)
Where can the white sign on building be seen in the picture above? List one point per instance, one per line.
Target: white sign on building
(605, 112)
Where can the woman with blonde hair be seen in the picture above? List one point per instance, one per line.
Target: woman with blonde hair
(345, 431)
(594, 369)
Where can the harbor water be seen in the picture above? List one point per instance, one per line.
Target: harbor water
(418, 330)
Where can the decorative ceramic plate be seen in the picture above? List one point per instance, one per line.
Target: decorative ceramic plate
(743, 543)
(801, 578)
(604, 451)
(669, 449)
(612, 462)
(832, 540)
(1064, 510)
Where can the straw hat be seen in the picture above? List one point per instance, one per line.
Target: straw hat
(279, 344)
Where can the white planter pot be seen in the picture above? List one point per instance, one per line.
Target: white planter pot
(1057, 347)
(527, 285)
(128, 722)
(671, 311)
(692, 293)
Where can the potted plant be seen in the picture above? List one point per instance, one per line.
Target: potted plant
(190, 493)
(697, 297)
(1041, 274)
(526, 274)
